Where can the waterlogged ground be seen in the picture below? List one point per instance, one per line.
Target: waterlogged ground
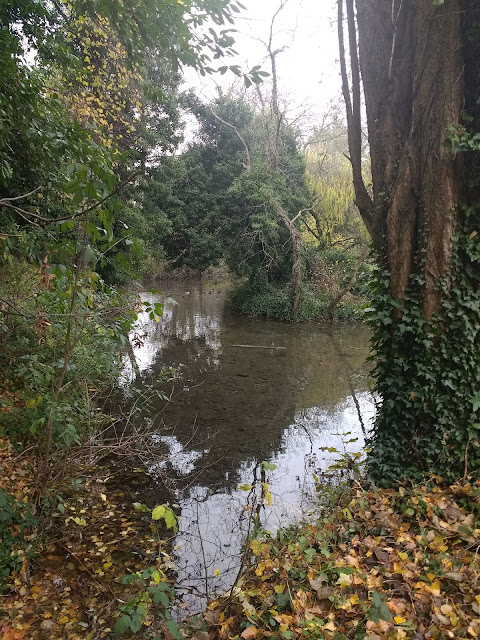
(251, 390)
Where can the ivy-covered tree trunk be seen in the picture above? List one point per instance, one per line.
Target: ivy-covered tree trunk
(420, 65)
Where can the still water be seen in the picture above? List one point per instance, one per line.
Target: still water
(250, 390)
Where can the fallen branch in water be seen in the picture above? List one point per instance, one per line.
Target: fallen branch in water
(258, 346)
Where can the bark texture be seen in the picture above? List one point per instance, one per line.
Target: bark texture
(420, 66)
(411, 55)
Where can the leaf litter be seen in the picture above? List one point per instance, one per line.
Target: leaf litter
(74, 588)
(380, 564)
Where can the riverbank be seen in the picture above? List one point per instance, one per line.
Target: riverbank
(93, 563)
(379, 563)
(372, 563)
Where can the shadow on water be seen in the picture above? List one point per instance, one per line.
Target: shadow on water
(284, 393)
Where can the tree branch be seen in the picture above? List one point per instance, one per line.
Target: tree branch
(354, 119)
(27, 215)
(248, 160)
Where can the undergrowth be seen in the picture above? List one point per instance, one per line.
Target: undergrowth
(380, 564)
(274, 302)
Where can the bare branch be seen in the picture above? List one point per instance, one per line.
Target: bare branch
(28, 215)
(351, 283)
(25, 195)
(353, 109)
(248, 160)
(302, 211)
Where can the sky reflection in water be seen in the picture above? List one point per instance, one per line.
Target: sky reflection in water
(235, 407)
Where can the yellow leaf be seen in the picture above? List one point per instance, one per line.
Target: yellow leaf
(217, 572)
(260, 568)
(354, 599)
(330, 626)
(399, 620)
(103, 497)
(434, 588)
(158, 512)
(107, 565)
(344, 580)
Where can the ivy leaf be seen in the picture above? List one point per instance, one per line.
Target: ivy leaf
(476, 402)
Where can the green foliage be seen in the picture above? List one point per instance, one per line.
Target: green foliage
(273, 301)
(37, 352)
(152, 590)
(210, 203)
(428, 373)
(16, 519)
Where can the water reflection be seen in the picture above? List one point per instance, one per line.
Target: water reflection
(236, 406)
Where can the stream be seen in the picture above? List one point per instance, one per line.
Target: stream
(249, 390)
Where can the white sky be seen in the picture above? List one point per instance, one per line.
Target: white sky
(308, 70)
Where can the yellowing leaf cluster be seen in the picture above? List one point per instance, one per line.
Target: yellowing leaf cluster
(103, 90)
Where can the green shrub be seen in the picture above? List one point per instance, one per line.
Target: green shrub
(274, 302)
(15, 519)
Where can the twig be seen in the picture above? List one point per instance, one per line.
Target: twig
(27, 215)
(248, 160)
(203, 554)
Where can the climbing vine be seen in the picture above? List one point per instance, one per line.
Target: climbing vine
(428, 372)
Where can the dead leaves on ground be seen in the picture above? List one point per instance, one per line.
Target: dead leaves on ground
(71, 590)
(386, 564)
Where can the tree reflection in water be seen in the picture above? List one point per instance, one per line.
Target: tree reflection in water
(235, 407)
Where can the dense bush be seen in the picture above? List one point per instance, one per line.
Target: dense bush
(274, 302)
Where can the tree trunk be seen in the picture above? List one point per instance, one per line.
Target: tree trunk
(296, 281)
(413, 92)
(420, 65)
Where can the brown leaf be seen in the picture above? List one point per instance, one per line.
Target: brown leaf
(324, 593)
(382, 556)
(249, 633)
(454, 575)
(212, 617)
(453, 513)
(318, 583)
